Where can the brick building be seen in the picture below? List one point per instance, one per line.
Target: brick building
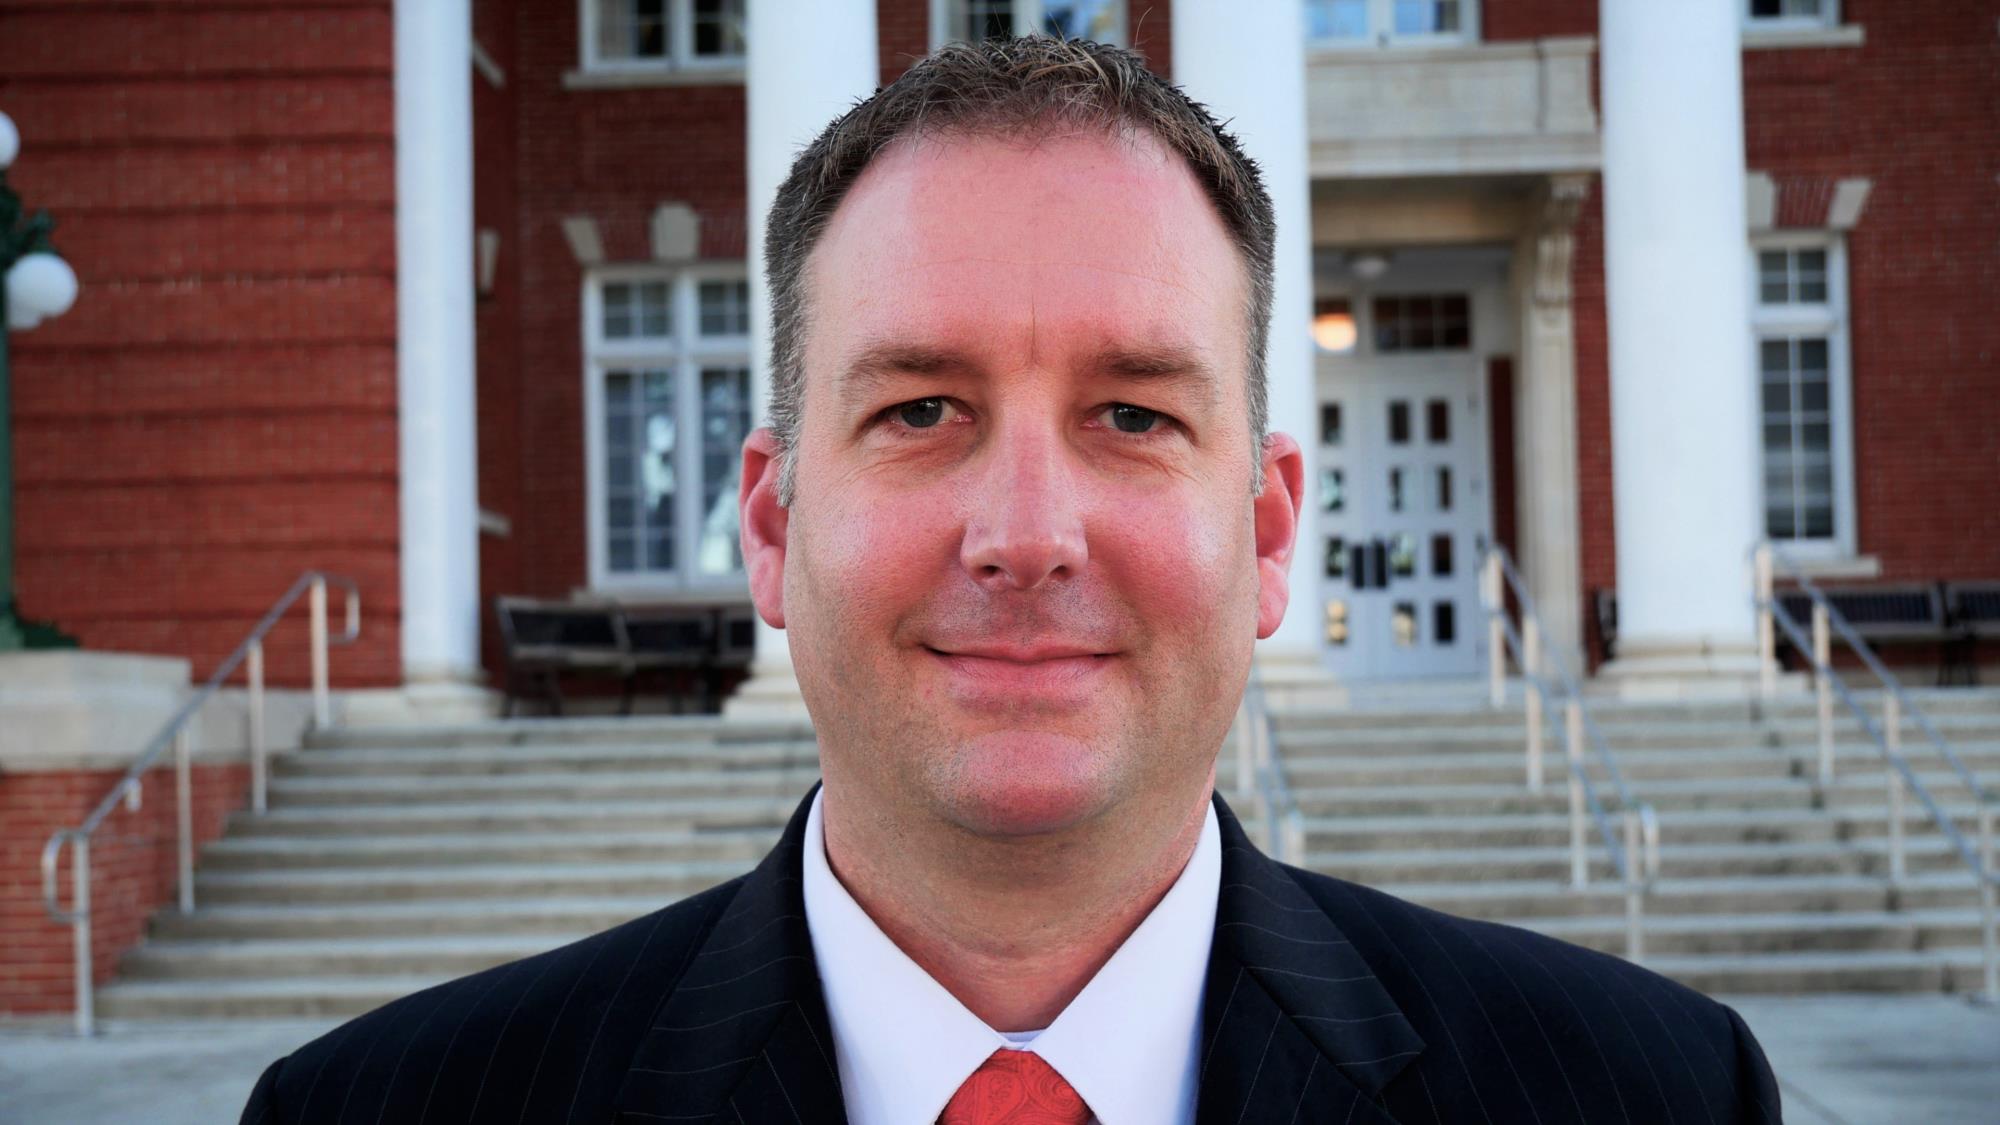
(224, 407)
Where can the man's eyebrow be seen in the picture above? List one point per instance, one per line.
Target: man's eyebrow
(879, 362)
(1165, 362)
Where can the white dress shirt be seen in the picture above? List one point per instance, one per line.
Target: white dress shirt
(1130, 1043)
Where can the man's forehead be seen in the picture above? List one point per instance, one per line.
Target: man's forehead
(1109, 236)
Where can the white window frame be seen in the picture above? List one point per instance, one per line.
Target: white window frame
(1828, 17)
(1382, 30)
(1027, 19)
(684, 352)
(1830, 320)
(680, 45)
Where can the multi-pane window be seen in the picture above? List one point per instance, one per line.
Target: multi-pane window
(974, 20)
(1366, 22)
(1423, 323)
(669, 406)
(1799, 323)
(1792, 13)
(663, 33)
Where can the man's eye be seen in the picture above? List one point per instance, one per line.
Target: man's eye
(1132, 419)
(921, 414)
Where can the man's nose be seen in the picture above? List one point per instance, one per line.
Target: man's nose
(1026, 521)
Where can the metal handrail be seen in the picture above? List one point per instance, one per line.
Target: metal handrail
(1637, 857)
(130, 788)
(1896, 703)
(1260, 774)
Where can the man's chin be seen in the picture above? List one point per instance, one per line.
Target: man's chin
(1017, 784)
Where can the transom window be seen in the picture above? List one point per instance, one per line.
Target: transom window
(1792, 13)
(1393, 324)
(667, 397)
(973, 20)
(1800, 324)
(641, 34)
(1356, 23)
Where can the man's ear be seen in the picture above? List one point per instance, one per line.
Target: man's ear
(764, 523)
(1276, 512)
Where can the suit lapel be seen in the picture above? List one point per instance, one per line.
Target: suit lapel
(744, 1035)
(1292, 1016)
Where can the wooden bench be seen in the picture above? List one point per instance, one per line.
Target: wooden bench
(1975, 608)
(545, 640)
(1890, 613)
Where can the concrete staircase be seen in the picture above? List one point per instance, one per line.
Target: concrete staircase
(395, 858)
(1768, 883)
(392, 859)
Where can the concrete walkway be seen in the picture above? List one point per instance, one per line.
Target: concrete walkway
(1843, 1060)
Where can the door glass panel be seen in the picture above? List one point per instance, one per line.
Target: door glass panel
(1444, 623)
(1395, 490)
(1336, 622)
(1444, 488)
(1403, 624)
(1336, 557)
(1403, 556)
(1329, 424)
(725, 420)
(1399, 422)
(1332, 490)
(1440, 556)
(1437, 421)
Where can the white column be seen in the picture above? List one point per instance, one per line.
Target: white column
(1684, 447)
(807, 64)
(434, 342)
(1246, 62)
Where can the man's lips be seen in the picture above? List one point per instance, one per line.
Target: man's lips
(1035, 654)
(1058, 674)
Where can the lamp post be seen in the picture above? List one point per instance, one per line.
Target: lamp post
(35, 285)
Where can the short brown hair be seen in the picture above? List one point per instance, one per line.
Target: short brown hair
(1018, 86)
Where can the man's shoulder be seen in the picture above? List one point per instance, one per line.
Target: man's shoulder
(1602, 1030)
(522, 1032)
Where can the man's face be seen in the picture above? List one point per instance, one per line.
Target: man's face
(1023, 567)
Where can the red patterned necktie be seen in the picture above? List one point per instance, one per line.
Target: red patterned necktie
(1015, 1088)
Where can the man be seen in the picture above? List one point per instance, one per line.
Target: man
(1020, 517)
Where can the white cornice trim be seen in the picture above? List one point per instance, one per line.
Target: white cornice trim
(1788, 38)
(641, 79)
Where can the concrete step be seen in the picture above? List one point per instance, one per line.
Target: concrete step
(561, 915)
(1692, 861)
(443, 956)
(1805, 931)
(503, 816)
(460, 881)
(1670, 794)
(1972, 703)
(1509, 899)
(594, 730)
(555, 786)
(1956, 970)
(1309, 766)
(255, 998)
(253, 853)
(661, 757)
(1677, 827)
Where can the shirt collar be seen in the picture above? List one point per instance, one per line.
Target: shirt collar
(904, 1044)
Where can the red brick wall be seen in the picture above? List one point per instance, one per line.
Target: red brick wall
(613, 154)
(133, 866)
(217, 413)
(1916, 110)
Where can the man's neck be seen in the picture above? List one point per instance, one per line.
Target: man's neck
(1013, 929)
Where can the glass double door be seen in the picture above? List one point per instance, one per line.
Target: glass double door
(1404, 512)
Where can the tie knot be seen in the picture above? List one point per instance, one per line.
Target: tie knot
(1015, 1088)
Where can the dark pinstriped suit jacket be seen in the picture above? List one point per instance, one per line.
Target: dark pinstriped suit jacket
(1326, 1002)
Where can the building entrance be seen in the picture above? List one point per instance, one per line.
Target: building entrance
(1405, 506)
